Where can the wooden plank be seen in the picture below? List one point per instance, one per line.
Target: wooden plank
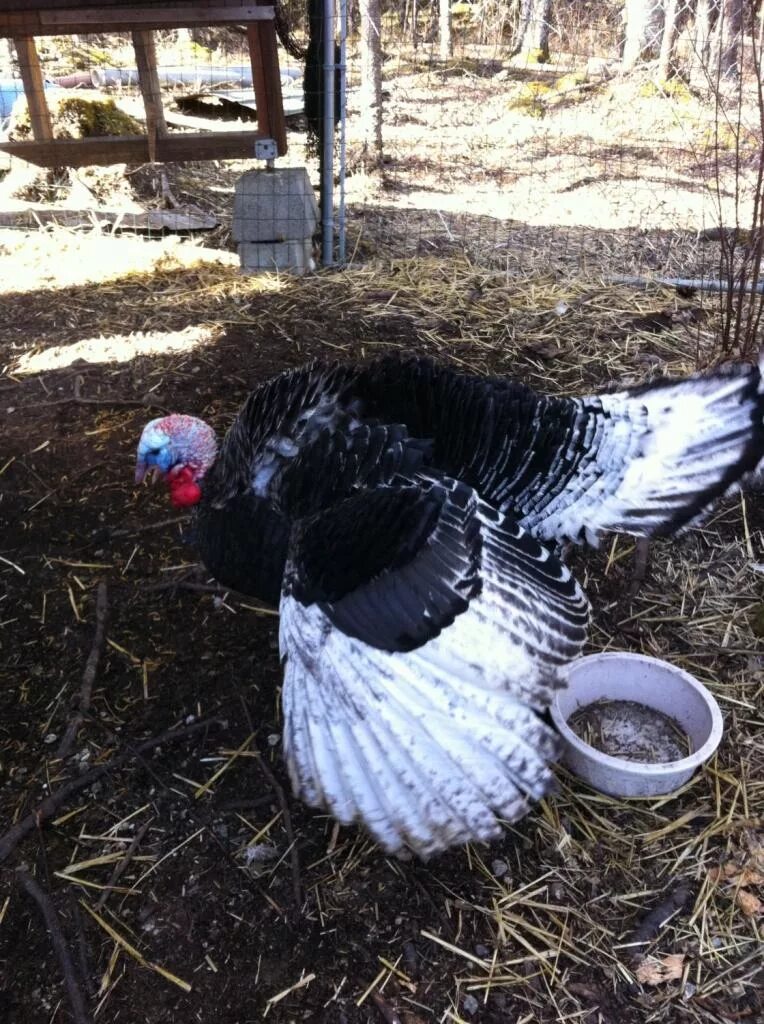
(67, 5)
(266, 79)
(180, 219)
(34, 87)
(47, 23)
(117, 149)
(148, 79)
(125, 19)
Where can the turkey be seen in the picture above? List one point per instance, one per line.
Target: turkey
(402, 515)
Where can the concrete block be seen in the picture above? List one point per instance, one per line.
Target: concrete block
(293, 256)
(274, 206)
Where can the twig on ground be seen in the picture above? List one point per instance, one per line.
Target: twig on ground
(89, 675)
(286, 817)
(639, 570)
(655, 919)
(390, 1014)
(181, 584)
(53, 803)
(119, 867)
(83, 950)
(104, 402)
(215, 589)
(48, 911)
(145, 527)
(168, 198)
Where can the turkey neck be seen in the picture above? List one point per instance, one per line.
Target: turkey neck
(244, 545)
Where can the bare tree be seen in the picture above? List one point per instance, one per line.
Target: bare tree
(644, 31)
(444, 27)
(533, 33)
(718, 37)
(706, 15)
(728, 44)
(668, 40)
(370, 92)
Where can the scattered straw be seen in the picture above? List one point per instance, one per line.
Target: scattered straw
(133, 952)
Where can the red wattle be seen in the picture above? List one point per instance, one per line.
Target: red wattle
(184, 490)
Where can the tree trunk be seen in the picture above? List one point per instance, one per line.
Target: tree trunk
(668, 42)
(370, 92)
(444, 27)
(705, 18)
(644, 31)
(533, 36)
(728, 40)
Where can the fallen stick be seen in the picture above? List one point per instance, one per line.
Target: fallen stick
(119, 867)
(389, 1013)
(53, 803)
(105, 403)
(145, 528)
(639, 571)
(89, 675)
(286, 817)
(48, 911)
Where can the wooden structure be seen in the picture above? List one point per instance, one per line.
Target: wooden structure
(22, 20)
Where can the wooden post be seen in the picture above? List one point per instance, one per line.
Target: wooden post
(148, 78)
(34, 88)
(266, 78)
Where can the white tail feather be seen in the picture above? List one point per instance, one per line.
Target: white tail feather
(425, 760)
(655, 459)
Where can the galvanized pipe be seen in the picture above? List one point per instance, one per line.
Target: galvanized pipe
(341, 225)
(327, 140)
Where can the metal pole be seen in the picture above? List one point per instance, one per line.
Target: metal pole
(341, 225)
(327, 140)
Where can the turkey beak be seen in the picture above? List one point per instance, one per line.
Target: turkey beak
(143, 471)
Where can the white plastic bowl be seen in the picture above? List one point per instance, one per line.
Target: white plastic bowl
(655, 684)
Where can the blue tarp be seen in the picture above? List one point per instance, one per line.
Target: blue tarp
(10, 90)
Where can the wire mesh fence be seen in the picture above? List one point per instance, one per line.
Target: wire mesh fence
(600, 149)
(596, 135)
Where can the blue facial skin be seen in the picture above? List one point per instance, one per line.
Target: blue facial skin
(161, 458)
(155, 449)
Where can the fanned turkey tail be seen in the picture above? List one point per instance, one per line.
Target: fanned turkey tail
(647, 461)
(652, 460)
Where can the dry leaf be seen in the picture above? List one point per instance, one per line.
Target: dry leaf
(750, 904)
(736, 875)
(748, 876)
(655, 970)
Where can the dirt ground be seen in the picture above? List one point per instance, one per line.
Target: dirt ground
(188, 883)
(180, 900)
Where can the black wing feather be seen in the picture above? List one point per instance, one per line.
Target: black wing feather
(391, 567)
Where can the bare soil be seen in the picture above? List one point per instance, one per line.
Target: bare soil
(523, 930)
(219, 897)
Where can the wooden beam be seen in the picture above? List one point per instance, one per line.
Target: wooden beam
(117, 149)
(266, 79)
(34, 87)
(148, 79)
(126, 19)
(67, 5)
